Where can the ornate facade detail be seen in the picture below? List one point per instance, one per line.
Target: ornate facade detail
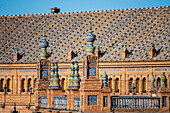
(90, 38)
(54, 81)
(104, 79)
(76, 79)
(43, 45)
(71, 76)
(163, 78)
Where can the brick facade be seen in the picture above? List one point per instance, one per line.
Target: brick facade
(101, 74)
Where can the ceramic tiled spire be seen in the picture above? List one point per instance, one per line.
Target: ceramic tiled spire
(43, 45)
(71, 75)
(52, 75)
(104, 79)
(56, 79)
(76, 76)
(163, 78)
(90, 38)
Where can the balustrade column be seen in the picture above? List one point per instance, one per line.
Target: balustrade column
(12, 84)
(122, 103)
(158, 103)
(153, 103)
(119, 103)
(135, 103)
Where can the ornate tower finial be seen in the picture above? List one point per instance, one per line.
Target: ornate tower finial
(163, 78)
(56, 76)
(104, 79)
(71, 75)
(90, 38)
(52, 75)
(43, 45)
(76, 76)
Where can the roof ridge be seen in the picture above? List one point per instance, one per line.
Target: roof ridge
(85, 11)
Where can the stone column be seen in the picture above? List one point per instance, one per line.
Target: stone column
(120, 84)
(32, 78)
(19, 84)
(49, 98)
(113, 85)
(123, 80)
(141, 85)
(148, 83)
(26, 82)
(12, 85)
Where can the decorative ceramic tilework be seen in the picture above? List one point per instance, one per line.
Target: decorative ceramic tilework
(84, 71)
(28, 71)
(92, 63)
(62, 70)
(144, 75)
(44, 66)
(107, 70)
(130, 75)
(92, 71)
(167, 69)
(81, 70)
(137, 69)
(92, 100)
(5, 71)
(116, 75)
(60, 101)
(43, 101)
(44, 73)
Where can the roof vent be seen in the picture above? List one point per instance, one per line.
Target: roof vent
(55, 10)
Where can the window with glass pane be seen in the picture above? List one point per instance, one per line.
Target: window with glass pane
(92, 100)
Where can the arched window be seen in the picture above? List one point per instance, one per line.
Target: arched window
(144, 85)
(111, 83)
(23, 85)
(63, 83)
(130, 84)
(158, 84)
(8, 85)
(137, 86)
(117, 85)
(29, 83)
(2, 85)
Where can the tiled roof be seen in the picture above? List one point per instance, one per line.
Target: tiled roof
(138, 28)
